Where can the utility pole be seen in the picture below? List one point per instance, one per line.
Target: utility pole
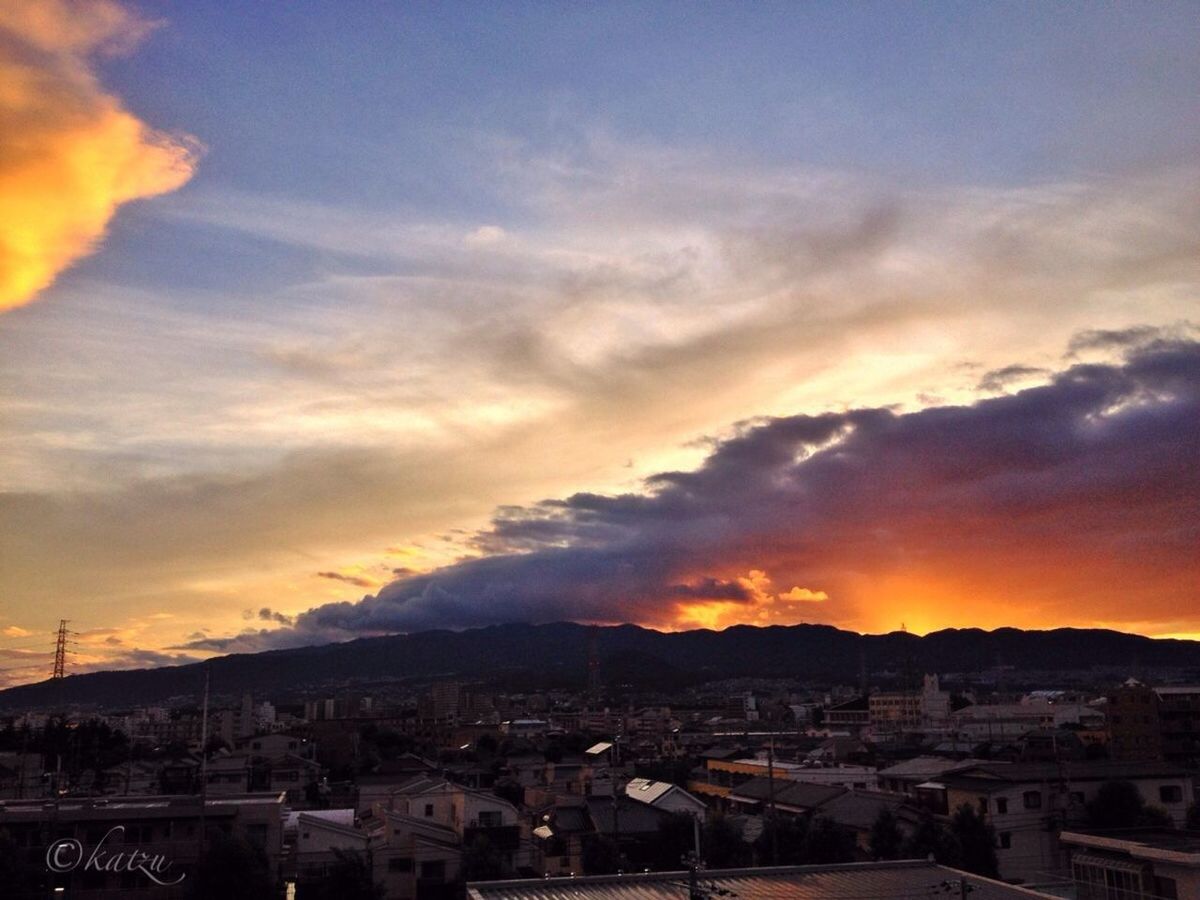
(203, 770)
(771, 797)
(593, 665)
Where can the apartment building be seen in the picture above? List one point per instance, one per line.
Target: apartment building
(1028, 804)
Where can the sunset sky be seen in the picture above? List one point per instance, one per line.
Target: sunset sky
(330, 319)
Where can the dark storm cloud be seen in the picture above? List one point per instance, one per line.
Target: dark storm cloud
(998, 379)
(1126, 338)
(1090, 479)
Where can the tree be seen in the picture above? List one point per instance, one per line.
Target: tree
(886, 838)
(482, 860)
(232, 869)
(486, 745)
(1193, 817)
(676, 838)
(787, 835)
(601, 856)
(509, 790)
(348, 878)
(931, 839)
(721, 846)
(1118, 804)
(828, 842)
(976, 842)
(1155, 817)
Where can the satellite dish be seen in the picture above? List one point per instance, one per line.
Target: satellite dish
(752, 830)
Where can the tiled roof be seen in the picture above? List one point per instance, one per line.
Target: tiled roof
(928, 766)
(799, 794)
(860, 809)
(1083, 770)
(632, 818)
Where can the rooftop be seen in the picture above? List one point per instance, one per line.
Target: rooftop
(866, 880)
(1168, 845)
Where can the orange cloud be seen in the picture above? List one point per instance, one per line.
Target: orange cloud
(759, 605)
(70, 153)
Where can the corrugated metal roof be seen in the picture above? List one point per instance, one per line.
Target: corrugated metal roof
(645, 790)
(853, 881)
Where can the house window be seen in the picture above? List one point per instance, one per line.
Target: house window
(1170, 793)
(400, 864)
(429, 810)
(1001, 805)
(1005, 840)
(1033, 799)
(1166, 888)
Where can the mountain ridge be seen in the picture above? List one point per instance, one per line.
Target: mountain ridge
(561, 649)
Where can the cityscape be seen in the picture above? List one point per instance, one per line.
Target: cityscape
(599, 451)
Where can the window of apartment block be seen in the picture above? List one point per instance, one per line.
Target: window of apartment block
(1165, 888)
(1033, 799)
(1001, 805)
(429, 810)
(1170, 793)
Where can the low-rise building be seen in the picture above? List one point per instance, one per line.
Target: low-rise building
(66, 842)
(1140, 863)
(666, 796)
(1028, 804)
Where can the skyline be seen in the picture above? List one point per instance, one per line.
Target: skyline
(861, 316)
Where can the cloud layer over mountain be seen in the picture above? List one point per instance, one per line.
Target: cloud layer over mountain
(1013, 509)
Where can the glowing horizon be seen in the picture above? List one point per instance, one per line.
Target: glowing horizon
(536, 312)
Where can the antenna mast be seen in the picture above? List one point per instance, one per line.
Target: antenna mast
(60, 650)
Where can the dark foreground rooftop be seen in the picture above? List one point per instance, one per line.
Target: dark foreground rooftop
(904, 880)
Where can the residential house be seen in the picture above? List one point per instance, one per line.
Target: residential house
(1141, 863)
(1028, 804)
(666, 796)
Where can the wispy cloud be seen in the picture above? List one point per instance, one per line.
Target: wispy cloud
(357, 580)
(415, 377)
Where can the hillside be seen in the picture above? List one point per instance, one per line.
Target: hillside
(556, 654)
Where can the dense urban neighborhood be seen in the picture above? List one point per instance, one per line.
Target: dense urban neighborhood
(427, 789)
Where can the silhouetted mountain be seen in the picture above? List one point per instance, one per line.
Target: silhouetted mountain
(556, 655)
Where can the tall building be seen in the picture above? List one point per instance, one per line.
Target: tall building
(1179, 723)
(1134, 732)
